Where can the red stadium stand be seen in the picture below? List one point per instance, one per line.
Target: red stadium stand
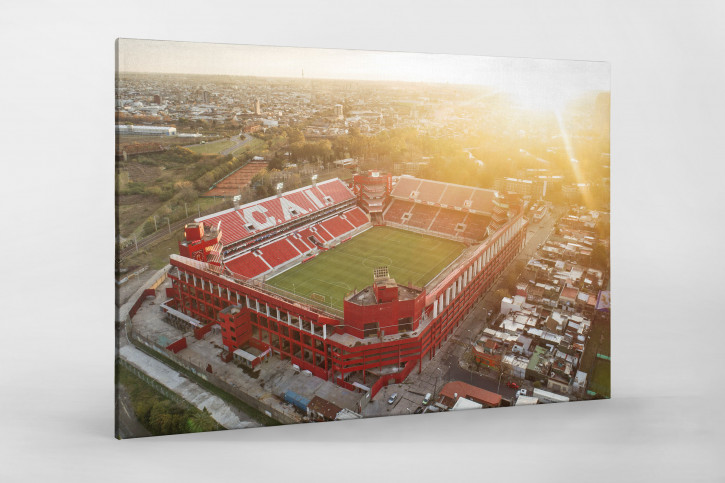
(476, 226)
(396, 210)
(450, 195)
(422, 215)
(300, 244)
(456, 195)
(267, 213)
(337, 191)
(405, 186)
(337, 226)
(248, 265)
(447, 220)
(431, 191)
(483, 201)
(279, 252)
(322, 234)
(357, 217)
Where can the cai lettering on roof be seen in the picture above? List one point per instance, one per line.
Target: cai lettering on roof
(237, 224)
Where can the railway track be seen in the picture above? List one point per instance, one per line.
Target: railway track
(160, 234)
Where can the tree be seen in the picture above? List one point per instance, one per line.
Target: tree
(148, 228)
(161, 418)
(201, 422)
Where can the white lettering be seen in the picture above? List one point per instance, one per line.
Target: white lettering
(314, 199)
(249, 217)
(287, 206)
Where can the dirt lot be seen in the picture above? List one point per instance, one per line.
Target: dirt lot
(239, 179)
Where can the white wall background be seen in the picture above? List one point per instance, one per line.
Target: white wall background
(56, 345)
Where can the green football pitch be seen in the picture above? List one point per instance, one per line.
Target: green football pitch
(410, 257)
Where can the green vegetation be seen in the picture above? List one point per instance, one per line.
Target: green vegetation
(160, 415)
(601, 382)
(410, 257)
(253, 146)
(598, 369)
(214, 147)
(254, 413)
(157, 256)
(167, 184)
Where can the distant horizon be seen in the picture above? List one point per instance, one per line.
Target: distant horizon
(538, 83)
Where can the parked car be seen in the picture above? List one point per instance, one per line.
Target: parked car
(392, 398)
(521, 392)
(512, 385)
(426, 399)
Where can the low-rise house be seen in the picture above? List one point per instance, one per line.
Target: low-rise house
(539, 365)
(320, 409)
(516, 365)
(489, 353)
(457, 389)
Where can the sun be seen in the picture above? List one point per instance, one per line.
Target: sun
(536, 98)
(541, 98)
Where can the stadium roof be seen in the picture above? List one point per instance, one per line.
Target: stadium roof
(447, 195)
(252, 218)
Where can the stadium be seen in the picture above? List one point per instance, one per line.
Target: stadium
(357, 284)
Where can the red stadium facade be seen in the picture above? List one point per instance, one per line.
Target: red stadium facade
(383, 331)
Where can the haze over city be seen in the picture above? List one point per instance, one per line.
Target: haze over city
(536, 83)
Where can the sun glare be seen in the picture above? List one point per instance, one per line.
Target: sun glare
(536, 98)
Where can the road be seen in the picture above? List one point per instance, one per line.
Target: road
(446, 365)
(239, 143)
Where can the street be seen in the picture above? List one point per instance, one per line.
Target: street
(446, 364)
(240, 142)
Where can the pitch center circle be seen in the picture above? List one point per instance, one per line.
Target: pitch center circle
(377, 261)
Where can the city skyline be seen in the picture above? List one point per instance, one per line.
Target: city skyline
(539, 84)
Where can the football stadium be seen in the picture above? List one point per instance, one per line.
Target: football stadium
(359, 284)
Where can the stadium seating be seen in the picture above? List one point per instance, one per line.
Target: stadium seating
(396, 210)
(422, 215)
(234, 224)
(337, 191)
(336, 226)
(483, 201)
(456, 195)
(322, 234)
(279, 252)
(248, 265)
(431, 191)
(447, 220)
(476, 226)
(357, 217)
(405, 186)
(300, 243)
(301, 200)
(447, 194)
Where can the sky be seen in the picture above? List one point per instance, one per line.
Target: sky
(536, 83)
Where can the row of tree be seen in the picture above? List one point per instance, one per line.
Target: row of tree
(162, 416)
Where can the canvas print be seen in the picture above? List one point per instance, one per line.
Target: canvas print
(309, 235)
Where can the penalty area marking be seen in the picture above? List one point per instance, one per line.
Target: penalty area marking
(318, 297)
(342, 285)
